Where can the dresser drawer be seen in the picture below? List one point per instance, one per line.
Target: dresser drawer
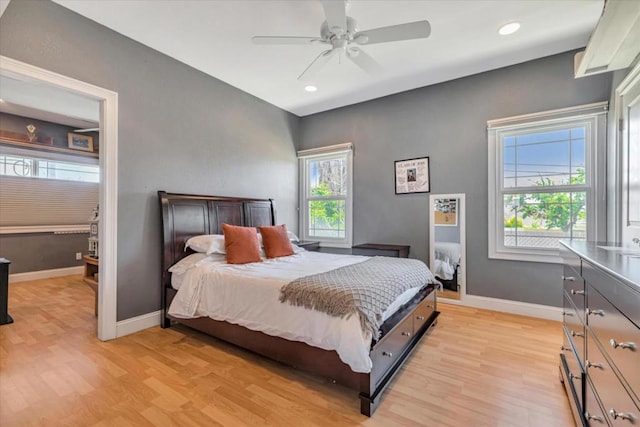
(576, 374)
(618, 336)
(593, 412)
(574, 287)
(622, 296)
(423, 312)
(574, 327)
(387, 351)
(613, 395)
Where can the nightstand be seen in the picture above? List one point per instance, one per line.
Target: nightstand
(379, 249)
(309, 245)
(91, 266)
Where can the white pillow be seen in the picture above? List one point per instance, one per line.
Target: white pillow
(292, 236)
(297, 249)
(186, 263)
(207, 243)
(195, 260)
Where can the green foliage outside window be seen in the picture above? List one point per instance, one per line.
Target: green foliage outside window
(326, 213)
(554, 210)
(513, 222)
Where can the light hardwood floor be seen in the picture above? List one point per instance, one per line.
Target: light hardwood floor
(476, 368)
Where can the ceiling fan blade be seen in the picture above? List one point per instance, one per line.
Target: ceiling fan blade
(336, 13)
(364, 61)
(284, 40)
(317, 63)
(411, 30)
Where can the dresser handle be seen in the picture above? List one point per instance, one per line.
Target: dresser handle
(566, 313)
(590, 417)
(563, 348)
(574, 376)
(613, 343)
(384, 353)
(596, 312)
(406, 334)
(615, 414)
(569, 278)
(577, 334)
(574, 292)
(594, 365)
(420, 317)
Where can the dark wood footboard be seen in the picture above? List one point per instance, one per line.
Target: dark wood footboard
(405, 329)
(400, 334)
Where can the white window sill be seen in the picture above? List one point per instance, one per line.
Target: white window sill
(56, 229)
(553, 257)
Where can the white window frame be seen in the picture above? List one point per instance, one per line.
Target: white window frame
(38, 156)
(594, 115)
(306, 156)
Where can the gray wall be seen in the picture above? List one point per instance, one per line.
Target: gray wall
(178, 130)
(447, 122)
(42, 251)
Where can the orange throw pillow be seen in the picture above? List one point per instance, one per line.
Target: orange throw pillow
(276, 241)
(241, 244)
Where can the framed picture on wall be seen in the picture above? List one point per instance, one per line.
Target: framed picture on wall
(80, 142)
(412, 176)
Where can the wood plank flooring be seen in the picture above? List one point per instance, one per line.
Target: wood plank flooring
(476, 368)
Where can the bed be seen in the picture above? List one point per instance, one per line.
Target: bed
(185, 216)
(447, 262)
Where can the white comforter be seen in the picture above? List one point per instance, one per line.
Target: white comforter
(248, 295)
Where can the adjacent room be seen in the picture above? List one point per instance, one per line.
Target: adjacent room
(319, 212)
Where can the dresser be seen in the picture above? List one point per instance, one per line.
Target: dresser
(600, 357)
(309, 245)
(381, 249)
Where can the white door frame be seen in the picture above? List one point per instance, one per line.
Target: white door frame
(108, 199)
(627, 85)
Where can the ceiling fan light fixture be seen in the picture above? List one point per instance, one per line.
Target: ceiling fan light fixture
(311, 88)
(509, 28)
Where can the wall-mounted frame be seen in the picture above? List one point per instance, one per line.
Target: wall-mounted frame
(412, 175)
(80, 142)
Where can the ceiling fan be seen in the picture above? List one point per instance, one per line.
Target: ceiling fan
(342, 34)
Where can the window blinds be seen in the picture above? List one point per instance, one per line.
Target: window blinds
(42, 202)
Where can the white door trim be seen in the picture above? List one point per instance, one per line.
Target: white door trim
(627, 85)
(108, 199)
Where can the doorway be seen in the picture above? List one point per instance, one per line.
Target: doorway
(108, 100)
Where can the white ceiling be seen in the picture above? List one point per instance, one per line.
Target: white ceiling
(215, 37)
(39, 100)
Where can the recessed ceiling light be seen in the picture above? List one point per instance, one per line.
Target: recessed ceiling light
(310, 88)
(509, 28)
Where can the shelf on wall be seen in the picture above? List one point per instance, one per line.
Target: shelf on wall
(21, 140)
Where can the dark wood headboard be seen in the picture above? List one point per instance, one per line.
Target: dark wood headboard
(187, 215)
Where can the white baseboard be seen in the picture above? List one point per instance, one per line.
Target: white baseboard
(45, 274)
(138, 323)
(508, 306)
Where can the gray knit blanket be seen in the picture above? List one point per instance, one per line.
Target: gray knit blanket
(366, 288)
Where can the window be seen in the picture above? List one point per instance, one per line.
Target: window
(326, 195)
(544, 175)
(46, 190)
(29, 167)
